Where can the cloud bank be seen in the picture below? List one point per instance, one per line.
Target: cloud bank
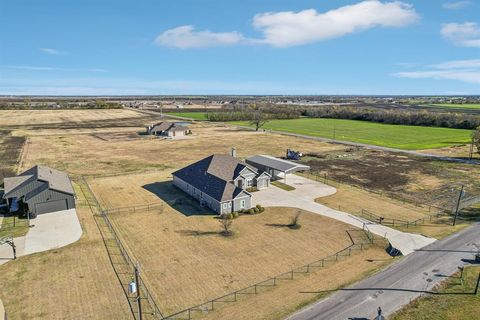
(459, 70)
(456, 5)
(288, 28)
(462, 34)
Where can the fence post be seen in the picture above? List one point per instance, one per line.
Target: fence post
(349, 251)
(308, 268)
(291, 276)
(323, 264)
(255, 286)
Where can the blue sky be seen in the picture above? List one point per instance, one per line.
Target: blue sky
(106, 47)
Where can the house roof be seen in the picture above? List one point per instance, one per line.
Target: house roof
(214, 176)
(167, 126)
(276, 163)
(57, 180)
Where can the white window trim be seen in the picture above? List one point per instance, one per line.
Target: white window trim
(224, 205)
(242, 204)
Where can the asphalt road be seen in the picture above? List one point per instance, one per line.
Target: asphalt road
(400, 283)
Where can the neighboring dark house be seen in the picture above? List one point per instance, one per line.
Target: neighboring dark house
(40, 190)
(168, 129)
(220, 182)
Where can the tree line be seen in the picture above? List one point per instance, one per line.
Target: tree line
(387, 116)
(402, 117)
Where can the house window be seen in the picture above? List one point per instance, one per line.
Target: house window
(225, 205)
(242, 204)
(249, 183)
(229, 204)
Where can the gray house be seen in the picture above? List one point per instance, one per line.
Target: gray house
(40, 190)
(220, 182)
(168, 129)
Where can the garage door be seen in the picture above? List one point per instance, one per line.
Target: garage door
(51, 206)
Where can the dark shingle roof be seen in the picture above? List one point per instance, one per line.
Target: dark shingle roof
(57, 180)
(213, 176)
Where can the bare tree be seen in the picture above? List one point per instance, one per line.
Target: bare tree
(295, 224)
(476, 139)
(259, 118)
(226, 224)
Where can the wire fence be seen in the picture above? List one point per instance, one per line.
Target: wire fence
(140, 208)
(399, 222)
(402, 197)
(141, 285)
(256, 288)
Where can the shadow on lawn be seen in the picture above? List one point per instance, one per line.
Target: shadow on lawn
(198, 233)
(177, 199)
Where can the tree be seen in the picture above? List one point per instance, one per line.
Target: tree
(476, 139)
(294, 224)
(226, 223)
(258, 117)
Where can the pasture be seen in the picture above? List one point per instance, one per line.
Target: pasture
(385, 135)
(189, 115)
(125, 168)
(456, 106)
(185, 254)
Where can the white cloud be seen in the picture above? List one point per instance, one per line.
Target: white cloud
(35, 68)
(284, 29)
(459, 70)
(462, 34)
(186, 37)
(458, 64)
(456, 5)
(52, 51)
(288, 28)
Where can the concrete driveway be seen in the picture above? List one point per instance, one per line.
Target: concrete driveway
(49, 231)
(303, 197)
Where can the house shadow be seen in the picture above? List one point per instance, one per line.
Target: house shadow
(177, 199)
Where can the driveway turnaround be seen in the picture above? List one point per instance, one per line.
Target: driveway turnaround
(400, 283)
(53, 230)
(304, 195)
(48, 231)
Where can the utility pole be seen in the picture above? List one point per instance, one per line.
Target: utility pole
(137, 282)
(458, 205)
(470, 155)
(478, 284)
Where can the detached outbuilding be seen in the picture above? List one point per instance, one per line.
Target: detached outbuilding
(275, 167)
(39, 190)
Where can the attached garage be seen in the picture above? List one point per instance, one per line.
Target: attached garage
(41, 189)
(51, 206)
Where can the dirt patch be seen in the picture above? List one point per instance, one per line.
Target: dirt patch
(10, 151)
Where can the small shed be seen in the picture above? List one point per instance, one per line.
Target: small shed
(276, 167)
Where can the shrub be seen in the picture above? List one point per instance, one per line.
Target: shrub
(251, 211)
(255, 209)
(235, 215)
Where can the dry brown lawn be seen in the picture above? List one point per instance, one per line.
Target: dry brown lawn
(37, 117)
(88, 155)
(353, 200)
(281, 301)
(73, 282)
(189, 262)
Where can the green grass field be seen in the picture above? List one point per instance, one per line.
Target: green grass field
(455, 106)
(386, 135)
(190, 115)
